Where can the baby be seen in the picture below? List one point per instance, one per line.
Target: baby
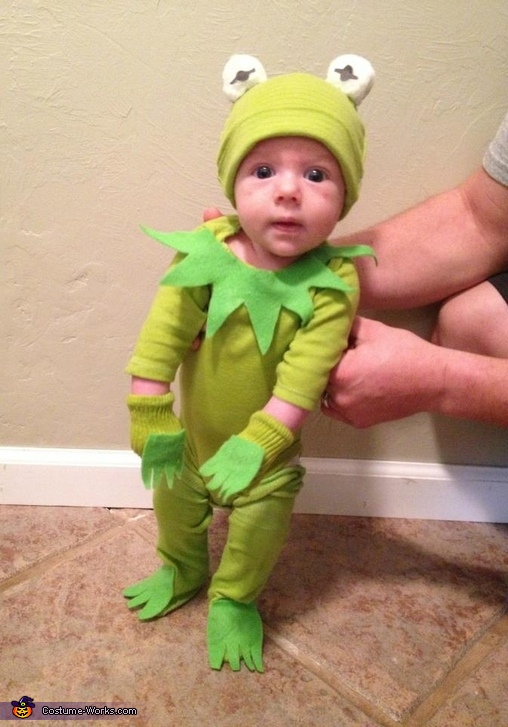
(277, 304)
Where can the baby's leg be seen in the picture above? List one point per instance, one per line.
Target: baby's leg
(258, 530)
(183, 516)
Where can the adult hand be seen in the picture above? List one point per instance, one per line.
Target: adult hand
(386, 374)
(211, 213)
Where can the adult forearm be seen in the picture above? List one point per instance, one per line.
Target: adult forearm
(472, 387)
(421, 255)
(439, 247)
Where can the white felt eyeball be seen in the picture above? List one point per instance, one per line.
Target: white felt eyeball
(353, 74)
(240, 73)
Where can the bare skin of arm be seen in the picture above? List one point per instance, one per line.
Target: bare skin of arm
(147, 387)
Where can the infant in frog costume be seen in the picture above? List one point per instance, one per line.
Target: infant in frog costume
(277, 304)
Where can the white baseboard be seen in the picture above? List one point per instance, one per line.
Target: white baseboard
(110, 478)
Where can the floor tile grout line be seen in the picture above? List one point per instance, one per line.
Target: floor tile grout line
(418, 716)
(144, 533)
(307, 661)
(464, 667)
(64, 555)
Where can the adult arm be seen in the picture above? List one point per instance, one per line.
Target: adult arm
(391, 373)
(443, 245)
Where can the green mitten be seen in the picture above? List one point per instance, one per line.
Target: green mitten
(151, 415)
(234, 633)
(163, 454)
(243, 456)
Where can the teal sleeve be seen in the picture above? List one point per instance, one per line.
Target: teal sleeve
(317, 347)
(175, 319)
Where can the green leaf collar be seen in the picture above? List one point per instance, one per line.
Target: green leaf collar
(263, 292)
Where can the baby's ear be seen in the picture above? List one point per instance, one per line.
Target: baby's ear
(354, 75)
(240, 73)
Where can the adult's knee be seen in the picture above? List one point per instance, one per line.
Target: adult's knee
(454, 324)
(475, 320)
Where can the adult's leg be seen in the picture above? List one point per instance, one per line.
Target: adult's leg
(476, 320)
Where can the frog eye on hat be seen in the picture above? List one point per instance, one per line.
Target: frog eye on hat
(353, 75)
(240, 73)
(350, 73)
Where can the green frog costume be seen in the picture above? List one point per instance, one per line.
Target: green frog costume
(267, 333)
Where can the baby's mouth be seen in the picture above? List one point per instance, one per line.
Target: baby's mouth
(287, 225)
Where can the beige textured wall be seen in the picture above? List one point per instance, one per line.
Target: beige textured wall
(110, 117)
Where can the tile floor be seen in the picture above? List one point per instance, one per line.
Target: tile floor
(369, 623)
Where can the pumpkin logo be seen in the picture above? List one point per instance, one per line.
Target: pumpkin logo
(23, 708)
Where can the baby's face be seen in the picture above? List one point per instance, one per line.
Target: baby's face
(289, 194)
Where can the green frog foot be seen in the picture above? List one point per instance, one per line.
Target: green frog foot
(235, 634)
(157, 594)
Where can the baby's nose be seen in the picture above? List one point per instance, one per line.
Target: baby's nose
(288, 186)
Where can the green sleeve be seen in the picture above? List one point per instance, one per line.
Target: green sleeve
(317, 347)
(175, 319)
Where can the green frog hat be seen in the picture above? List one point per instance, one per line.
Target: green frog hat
(296, 104)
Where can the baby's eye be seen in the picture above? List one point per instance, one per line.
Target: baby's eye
(315, 175)
(263, 172)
